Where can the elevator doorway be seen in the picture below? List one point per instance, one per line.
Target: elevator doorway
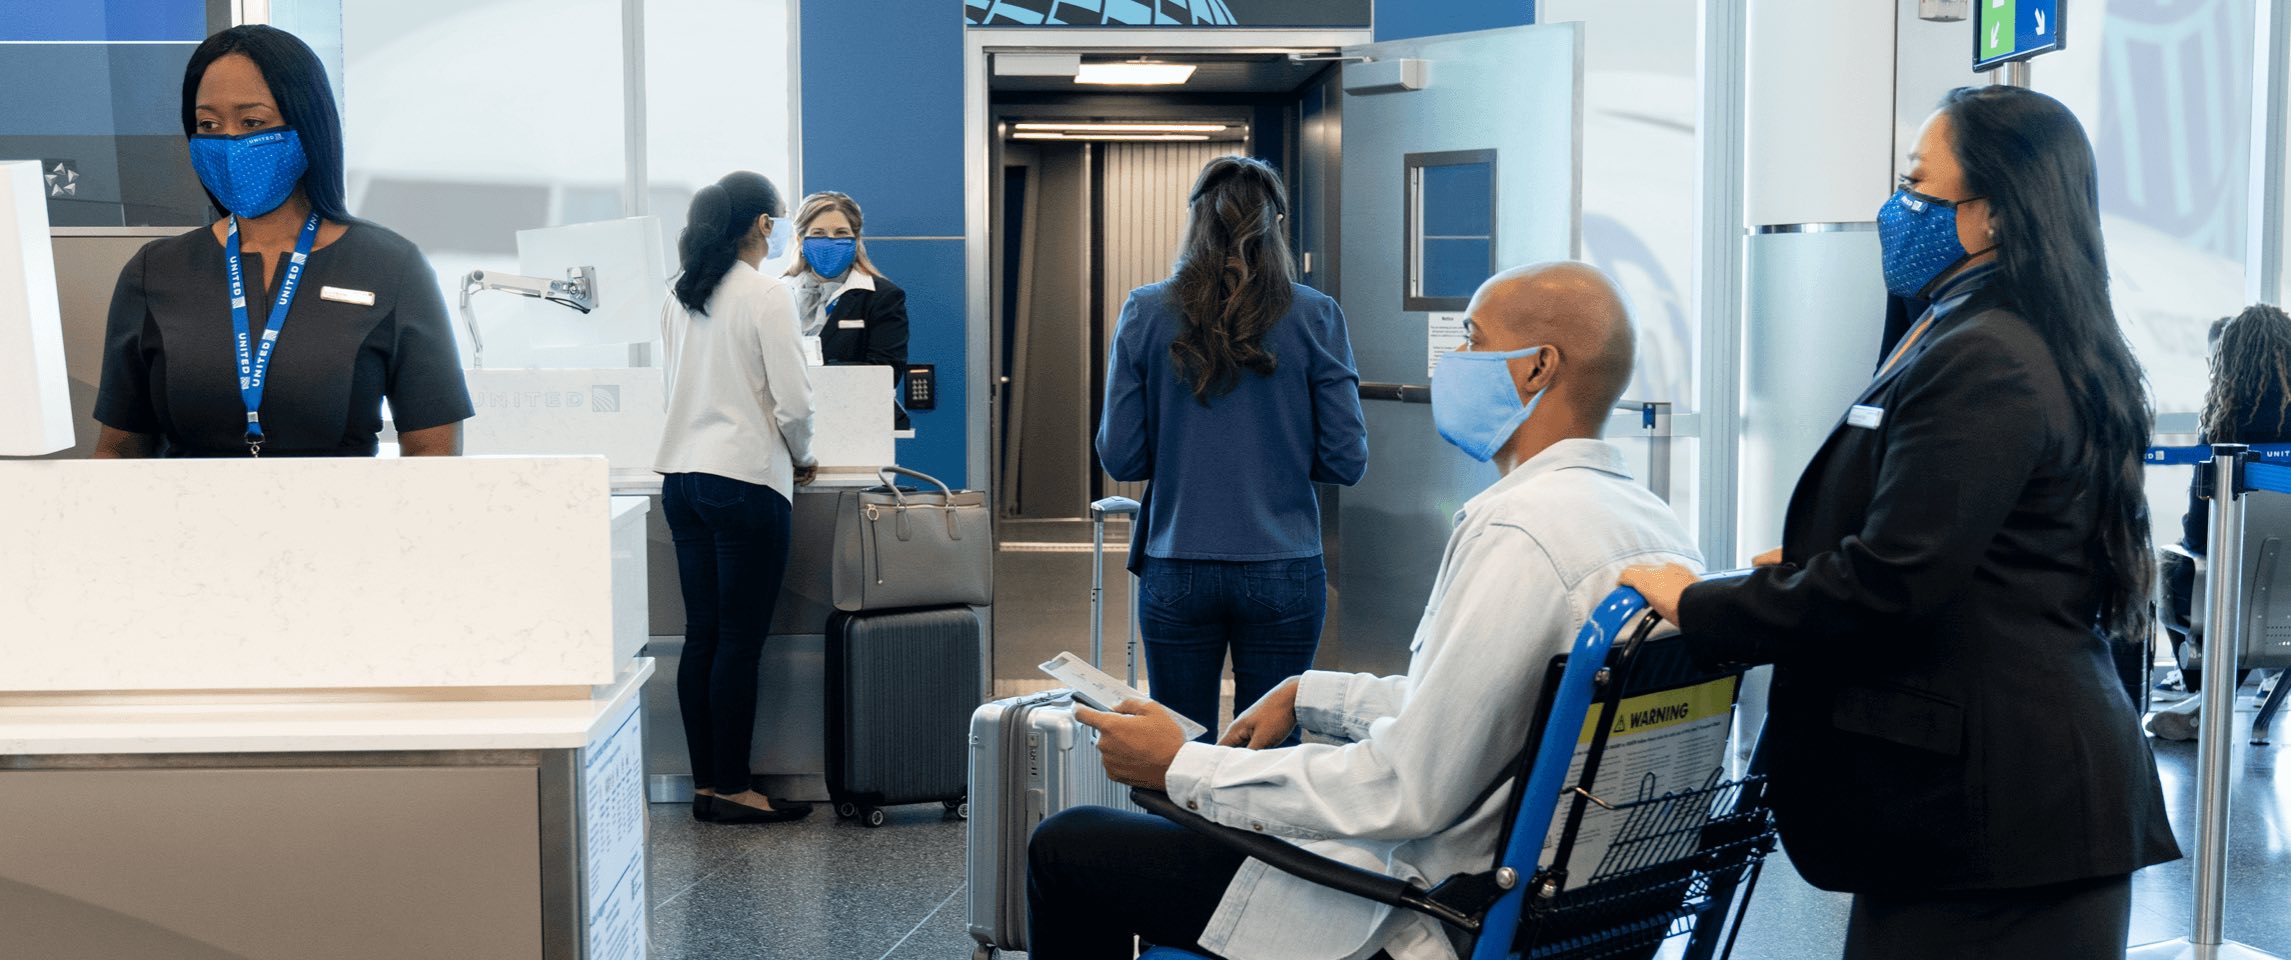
(1088, 203)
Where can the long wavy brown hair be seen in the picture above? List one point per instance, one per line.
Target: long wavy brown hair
(1233, 275)
(2252, 361)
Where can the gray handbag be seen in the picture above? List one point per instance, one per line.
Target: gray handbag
(897, 548)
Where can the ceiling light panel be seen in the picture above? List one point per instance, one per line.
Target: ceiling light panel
(1134, 74)
(1125, 127)
(1055, 135)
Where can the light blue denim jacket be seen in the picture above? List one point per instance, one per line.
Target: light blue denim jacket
(1526, 563)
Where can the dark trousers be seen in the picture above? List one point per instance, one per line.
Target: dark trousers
(731, 554)
(2079, 920)
(1192, 613)
(1098, 878)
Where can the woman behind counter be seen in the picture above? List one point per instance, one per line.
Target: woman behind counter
(736, 443)
(1231, 387)
(337, 315)
(1948, 739)
(858, 314)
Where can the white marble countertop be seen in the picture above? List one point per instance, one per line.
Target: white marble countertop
(223, 725)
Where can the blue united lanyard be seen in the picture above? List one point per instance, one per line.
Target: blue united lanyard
(254, 360)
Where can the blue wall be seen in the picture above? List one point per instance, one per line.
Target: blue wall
(1401, 19)
(883, 121)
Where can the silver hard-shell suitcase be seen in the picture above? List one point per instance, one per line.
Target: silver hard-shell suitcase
(1029, 759)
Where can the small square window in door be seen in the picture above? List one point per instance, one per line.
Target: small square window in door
(1450, 218)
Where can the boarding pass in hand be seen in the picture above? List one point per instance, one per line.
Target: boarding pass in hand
(1099, 690)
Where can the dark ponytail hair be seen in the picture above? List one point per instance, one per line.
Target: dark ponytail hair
(2028, 155)
(1233, 275)
(297, 82)
(722, 216)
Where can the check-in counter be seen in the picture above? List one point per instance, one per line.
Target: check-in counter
(339, 708)
(618, 412)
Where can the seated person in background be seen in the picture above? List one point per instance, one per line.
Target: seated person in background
(2249, 402)
(1549, 351)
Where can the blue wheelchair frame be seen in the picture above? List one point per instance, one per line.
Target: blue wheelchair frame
(1492, 905)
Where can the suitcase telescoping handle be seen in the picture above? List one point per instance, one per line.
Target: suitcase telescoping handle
(1099, 511)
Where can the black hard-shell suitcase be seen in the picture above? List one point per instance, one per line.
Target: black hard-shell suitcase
(901, 686)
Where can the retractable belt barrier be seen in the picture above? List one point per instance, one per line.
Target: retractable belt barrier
(2185, 456)
(2236, 470)
(2271, 477)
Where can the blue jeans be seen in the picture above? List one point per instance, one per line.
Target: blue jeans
(1268, 614)
(732, 542)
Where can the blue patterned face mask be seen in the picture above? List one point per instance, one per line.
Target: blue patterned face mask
(250, 175)
(1476, 405)
(1919, 236)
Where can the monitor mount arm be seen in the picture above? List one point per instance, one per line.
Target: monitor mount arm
(578, 290)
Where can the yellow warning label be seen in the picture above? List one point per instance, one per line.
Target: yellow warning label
(1669, 708)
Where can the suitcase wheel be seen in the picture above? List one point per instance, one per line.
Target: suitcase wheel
(958, 809)
(872, 817)
(846, 809)
(983, 952)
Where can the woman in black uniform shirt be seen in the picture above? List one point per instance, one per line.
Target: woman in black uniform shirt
(1948, 737)
(303, 367)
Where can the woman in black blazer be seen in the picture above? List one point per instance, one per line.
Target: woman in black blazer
(1948, 739)
(858, 314)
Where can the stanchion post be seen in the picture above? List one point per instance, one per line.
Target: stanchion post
(2223, 643)
(2222, 646)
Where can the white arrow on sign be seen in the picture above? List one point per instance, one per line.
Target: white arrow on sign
(1994, 30)
(2039, 22)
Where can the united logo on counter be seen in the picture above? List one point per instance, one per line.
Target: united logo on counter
(604, 398)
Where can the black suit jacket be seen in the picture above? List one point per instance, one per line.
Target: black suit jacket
(1943, 715)
(869, 328)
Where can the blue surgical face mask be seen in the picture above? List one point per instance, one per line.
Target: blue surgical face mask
(830, 256)
(1475, 403)
(776, 242)
(250, 175)
(1918, 234)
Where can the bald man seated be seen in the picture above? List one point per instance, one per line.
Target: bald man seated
(1393, 767)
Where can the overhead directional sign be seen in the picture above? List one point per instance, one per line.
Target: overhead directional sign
(2008, 30)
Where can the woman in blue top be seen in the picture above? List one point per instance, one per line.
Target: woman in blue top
(1232, 389)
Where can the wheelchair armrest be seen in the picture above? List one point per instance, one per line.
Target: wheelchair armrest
(1298, 862)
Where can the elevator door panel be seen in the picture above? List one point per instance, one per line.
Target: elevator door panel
(1516, 92)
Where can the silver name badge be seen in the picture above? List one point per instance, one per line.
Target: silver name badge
(851, 324)
(1865, 417)
(363, 298)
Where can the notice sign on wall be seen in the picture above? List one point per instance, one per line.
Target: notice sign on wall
(612, 828)
(1443, 335)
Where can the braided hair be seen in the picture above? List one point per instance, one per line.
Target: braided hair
(2251, 363)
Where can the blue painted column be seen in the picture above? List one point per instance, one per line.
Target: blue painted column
(883, 121)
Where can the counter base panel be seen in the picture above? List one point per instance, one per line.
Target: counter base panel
(274, 855)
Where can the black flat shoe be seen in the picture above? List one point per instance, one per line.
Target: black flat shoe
(703, 807)
(733, 811)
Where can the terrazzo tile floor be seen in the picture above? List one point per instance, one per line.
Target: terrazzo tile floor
(824, 888)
